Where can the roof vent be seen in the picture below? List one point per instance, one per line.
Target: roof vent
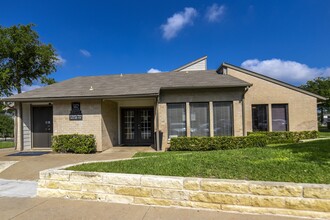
(91, 88)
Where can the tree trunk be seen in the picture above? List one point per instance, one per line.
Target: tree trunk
(322, 115)
(18, 84)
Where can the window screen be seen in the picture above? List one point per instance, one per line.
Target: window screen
(260, 117)
(176, 116)
(223, 118)
(280, 117)
(199, 119)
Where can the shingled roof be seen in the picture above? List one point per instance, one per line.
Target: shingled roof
(129, 85)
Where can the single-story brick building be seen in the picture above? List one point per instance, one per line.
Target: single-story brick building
(151, 108)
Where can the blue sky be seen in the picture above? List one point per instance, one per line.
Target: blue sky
(288, 40)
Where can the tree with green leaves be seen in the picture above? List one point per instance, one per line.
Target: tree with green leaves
(6, 126)
(24, 59)
(320, 86)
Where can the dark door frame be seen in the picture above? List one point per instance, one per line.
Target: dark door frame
(32, 123)
(137, 140)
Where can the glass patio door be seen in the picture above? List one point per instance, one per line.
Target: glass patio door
(137, 126)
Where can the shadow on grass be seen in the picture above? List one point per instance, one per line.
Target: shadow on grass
(314, 151)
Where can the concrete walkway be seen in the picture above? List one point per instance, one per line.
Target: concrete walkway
(30, 163)
(39, 208)
(17, 188)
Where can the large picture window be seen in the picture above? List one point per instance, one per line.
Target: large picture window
(176, 116)
(199, 119)
(223, 118)
(279, 117)
(260, 117)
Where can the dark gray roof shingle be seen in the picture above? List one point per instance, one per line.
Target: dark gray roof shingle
(130, 85)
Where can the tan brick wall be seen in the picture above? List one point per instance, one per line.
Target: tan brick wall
(306, 200)
(201, 95)
(162, 123)
(109, 124)
(238, 118)
(302, 108)
(91, 123)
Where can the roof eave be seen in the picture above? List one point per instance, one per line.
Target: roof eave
(205, 87)
(42, 99)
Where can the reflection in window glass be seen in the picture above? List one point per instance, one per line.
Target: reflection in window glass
(176, 116)
(223, 118)
(129, 124)
(280, 117)
(260, 117)
(199, 119)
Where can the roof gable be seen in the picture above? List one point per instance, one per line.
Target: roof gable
(267, 78)
(199, 64)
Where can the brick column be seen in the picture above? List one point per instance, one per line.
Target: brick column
(238, 118)
(162, 125)
(19, 126)
(188, 119)
(270, 122)
(211, 119)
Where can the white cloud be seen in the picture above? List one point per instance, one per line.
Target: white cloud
(60, 61)
(285, 70)
(215, 12)
(85, 53)
(177, 22)
(27, 88)
(152, 70)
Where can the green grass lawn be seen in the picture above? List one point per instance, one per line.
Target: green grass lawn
(6, 144)
(303, 162)
(324, 132)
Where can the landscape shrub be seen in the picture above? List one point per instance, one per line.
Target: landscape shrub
(6, 126)
(216, 143)
(74, 143)
(279, 137)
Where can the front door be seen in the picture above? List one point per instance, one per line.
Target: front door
(42, 126)
(137, 126)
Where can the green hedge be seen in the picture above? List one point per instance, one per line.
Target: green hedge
(279, 137)
(74, 143)
(216, 143)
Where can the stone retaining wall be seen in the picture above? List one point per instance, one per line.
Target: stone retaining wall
(309, 200)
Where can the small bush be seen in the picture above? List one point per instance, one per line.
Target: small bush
(74, 143)
(216, 143)
(6, 126)
(279, 137)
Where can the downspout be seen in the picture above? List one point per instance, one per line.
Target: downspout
(243, 109)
